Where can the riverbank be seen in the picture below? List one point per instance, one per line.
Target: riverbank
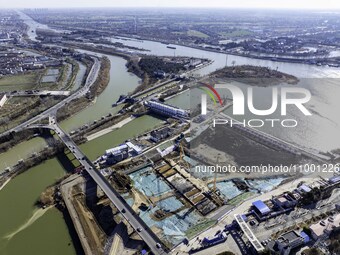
(46, 234)
(316, 62)
(4, 184)
(96, 89)
(110, 129)
(254, 76)
(103, 50)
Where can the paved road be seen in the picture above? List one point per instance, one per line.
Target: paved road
(39, 93)
(53, 110)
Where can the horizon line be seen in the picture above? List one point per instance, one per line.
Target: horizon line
(180, 7)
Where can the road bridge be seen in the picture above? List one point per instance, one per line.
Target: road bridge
(119, 202)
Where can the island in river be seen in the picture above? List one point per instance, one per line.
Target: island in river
(253, 75)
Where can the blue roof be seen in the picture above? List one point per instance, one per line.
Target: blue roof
(262, 207)
(334, 179)
(305, 188)
(214, 239)
(305, 237)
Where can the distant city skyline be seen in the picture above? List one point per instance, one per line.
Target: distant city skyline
(278, 4)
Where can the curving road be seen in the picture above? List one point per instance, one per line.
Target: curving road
(52, 111)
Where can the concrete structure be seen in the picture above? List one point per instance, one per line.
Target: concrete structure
(120, 148)
(285, 201)
(215, 240)
(248, 233)
(334, 180)
(166, 151)
(166, 110)
(304, 189)
(116, 154)
(289, 241)
(136, 149)
(160, 134)
(324, 228)
(117, 157)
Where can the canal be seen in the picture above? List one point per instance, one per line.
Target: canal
(24, 229)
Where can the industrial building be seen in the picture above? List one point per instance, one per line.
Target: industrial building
(160, 134)
(166, 110)
(334, 180)
(285, 201)
(117, 157)
(121, 152)
(215, 240)
(116, 154)
(304, 189)
(260, 208)
(136, 149)
(120, 148)
(166, 151)
(289, 241)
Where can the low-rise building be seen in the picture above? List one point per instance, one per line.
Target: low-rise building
(215, 240)
(285, 201)
(288, 241)
(260, 208)
(160, 134)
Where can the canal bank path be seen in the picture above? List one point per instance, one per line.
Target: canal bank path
(4, 184)
(110, 129)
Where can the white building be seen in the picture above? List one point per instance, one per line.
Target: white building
(167, 110)
(117, 149)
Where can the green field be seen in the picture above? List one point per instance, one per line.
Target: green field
(197, 34)
(236, 33)
(198, 228)
(240, 198)
(19, 82)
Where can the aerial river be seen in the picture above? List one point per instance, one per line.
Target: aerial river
(26, 230)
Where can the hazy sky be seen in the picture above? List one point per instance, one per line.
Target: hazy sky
(296, 4)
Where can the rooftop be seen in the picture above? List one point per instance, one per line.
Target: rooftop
(327, 225)
(261, 206)
(289, 237)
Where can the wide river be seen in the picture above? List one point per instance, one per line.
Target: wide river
(26, 230)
